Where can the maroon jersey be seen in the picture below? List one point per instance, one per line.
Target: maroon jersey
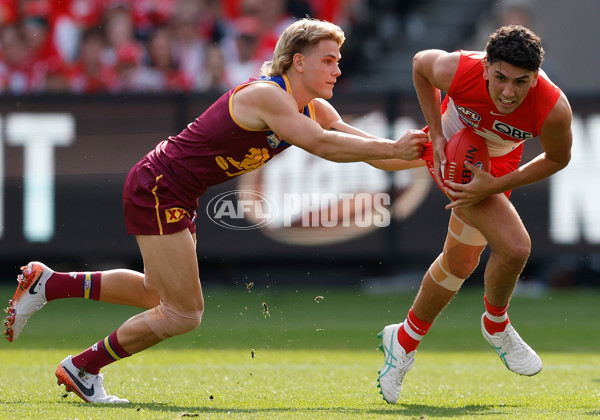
(215, 147)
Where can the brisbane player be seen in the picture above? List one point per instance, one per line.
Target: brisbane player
(240, 132)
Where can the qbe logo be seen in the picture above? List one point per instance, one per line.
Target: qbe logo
(241, 210)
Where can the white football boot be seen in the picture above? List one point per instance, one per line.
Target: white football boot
(397, 363)
(29, 298)
(516, 355)
(89, 387)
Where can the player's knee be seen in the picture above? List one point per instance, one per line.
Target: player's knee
(181, 321)
(441, 274)
(462, 267)
(516, 255)
(168, 321)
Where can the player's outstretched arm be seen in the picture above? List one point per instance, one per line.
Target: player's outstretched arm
(393, 165)
(330, 119)
(274, 108)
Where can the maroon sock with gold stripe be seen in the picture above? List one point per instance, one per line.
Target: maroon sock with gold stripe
(74, 285)
(103, 353)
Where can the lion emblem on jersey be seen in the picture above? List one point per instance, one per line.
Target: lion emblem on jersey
(254, 159)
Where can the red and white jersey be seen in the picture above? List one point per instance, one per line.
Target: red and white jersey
(468, 104)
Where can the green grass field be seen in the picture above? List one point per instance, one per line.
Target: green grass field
(312, 360)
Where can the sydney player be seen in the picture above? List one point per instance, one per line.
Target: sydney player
(240, 132)
(503, 95)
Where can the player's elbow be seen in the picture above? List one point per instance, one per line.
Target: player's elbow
(416, 62)
(421, 57)
(566, 160)
(562, 162)
(418, 56)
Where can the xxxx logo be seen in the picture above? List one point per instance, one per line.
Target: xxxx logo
(175, 214)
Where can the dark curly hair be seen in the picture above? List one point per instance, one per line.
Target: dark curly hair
(515, 45)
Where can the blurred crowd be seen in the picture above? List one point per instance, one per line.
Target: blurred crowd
(114, 46)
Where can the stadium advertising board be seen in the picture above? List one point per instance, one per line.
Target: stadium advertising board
(63, 162)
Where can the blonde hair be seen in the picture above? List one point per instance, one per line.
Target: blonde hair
(299, 37)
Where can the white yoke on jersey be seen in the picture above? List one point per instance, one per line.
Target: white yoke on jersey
(497, 146)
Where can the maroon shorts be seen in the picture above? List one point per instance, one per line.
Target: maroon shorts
(151, 207)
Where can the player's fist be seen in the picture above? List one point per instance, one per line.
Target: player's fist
(410, 145)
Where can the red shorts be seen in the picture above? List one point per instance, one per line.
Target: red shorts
(151, 207)
(500, 165)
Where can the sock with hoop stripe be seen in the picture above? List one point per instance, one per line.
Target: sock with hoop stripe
(496, 318)
(412, 331)
(104, 352)
(84, 285)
